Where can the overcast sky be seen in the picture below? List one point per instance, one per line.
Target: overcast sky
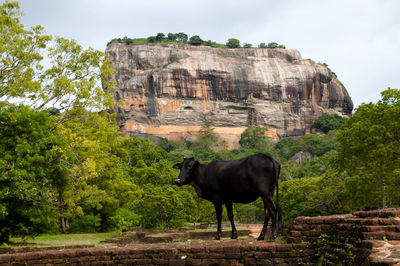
(358, 39)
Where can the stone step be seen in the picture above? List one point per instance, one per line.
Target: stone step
(385, 253)
(381, 213)
(381, 235)
(386, 228)
(373, 221)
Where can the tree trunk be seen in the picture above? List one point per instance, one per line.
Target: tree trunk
(63, 220)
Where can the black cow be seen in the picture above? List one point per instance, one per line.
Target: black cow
(239, 181)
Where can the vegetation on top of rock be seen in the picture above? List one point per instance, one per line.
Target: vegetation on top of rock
(196, 40)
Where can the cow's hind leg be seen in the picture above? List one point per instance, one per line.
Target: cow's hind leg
(228, 206)
(269, 209)
(218, 211)
(264, 229)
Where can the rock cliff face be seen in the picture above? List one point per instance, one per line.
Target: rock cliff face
(171, 90)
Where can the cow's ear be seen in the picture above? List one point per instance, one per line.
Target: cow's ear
(177, 166)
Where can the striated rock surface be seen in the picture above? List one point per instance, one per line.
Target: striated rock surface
(171, 90)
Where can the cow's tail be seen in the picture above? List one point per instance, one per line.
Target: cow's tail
(276, 172)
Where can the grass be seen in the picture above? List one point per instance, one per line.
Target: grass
(62, 240)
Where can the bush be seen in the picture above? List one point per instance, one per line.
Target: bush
(233, 43)
(262, 45)
(88, 223)
(152, 39)
(125, 219)
(160, 36)
(195, 40)
(327, 122)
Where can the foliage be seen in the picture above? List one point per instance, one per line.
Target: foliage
(178, 38)
(88, 223)
(181, 37)
(287, 147)
(333, 251)
(271, 45)
(253, 138)
(20, 53)
(28, 159)
(369, 151)
(313, 196)
(72, 83)
(327, 122)
(318, 145)
(160, 36)
(125, 219)
(233, 43)
(195, 40)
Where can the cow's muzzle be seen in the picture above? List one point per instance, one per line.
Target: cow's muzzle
(178, 182)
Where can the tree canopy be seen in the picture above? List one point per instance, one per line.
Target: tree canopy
(327, 122)
(369, 151)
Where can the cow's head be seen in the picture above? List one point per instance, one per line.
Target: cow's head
(187, 167)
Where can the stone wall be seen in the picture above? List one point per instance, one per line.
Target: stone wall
(367, 237)
(232, 252)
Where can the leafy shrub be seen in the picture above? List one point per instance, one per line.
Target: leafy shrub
(88, 223)
(125, 219)
(233, 43)
(327, 122)
(196, 40)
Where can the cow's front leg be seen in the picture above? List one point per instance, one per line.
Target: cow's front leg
(218, 211)
(228, 206)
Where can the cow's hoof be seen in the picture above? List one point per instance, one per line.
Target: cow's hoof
(234, 236)
(216, 237)
(260, 238)
(271, 239)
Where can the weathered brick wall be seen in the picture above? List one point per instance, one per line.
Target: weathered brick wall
(235, 252)
(372, 235)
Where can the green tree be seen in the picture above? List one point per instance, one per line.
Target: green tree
(207, 144)
(327, 122)
(171, 37)
(19, 53)
(233, 43)
(272, 45)
(262, 45)
(151, 39)
(247, 45)
(318, 145)
(181, 37)
(195, 40)
(369, 151)
(93, 179)
(253, 138)
(28, 159)
(160, 36)
(72, 84)
(287, 147)
(163, 206)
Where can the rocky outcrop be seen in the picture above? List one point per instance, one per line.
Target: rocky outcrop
(171, 90)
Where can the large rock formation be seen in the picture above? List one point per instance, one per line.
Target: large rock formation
(171, 90)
